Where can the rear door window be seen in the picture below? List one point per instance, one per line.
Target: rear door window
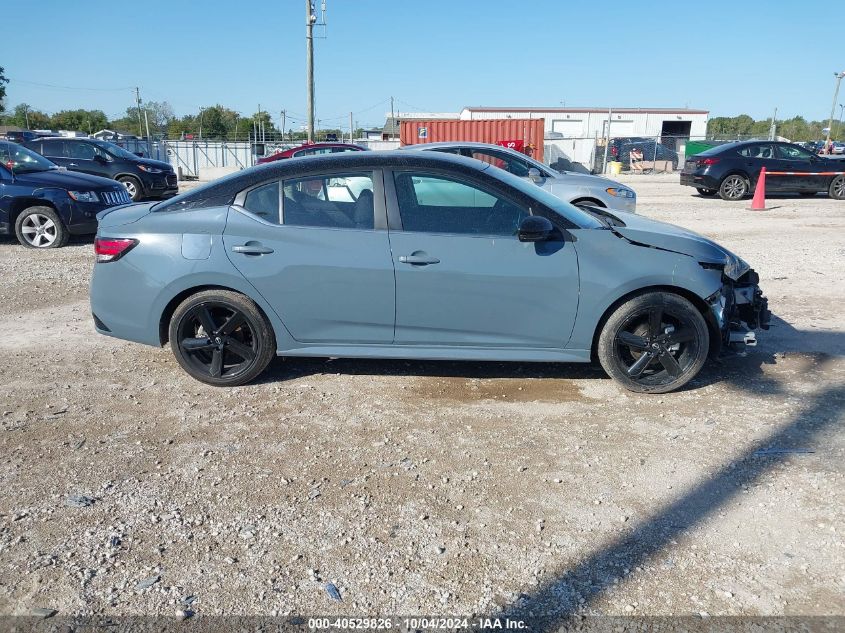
(758, 150)
(53, 148)
(263, 201)
(336, 201)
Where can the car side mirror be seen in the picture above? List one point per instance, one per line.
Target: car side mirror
(141, 154)
(534, 174)
(535, 228)
(100, 159)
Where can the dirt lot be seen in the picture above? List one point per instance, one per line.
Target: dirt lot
(430, 487)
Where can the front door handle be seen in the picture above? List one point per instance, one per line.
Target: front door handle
(252, 249)
(72, 165)
(418, 259)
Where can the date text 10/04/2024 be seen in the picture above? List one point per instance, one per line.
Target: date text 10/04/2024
(414, 623)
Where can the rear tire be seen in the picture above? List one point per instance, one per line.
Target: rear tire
(837, 188)
(133, 187)
(41, 227)
(706, 192)
(734, 187)
(221, 338)
(655, 342)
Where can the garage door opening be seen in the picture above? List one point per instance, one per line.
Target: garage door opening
(675, 133)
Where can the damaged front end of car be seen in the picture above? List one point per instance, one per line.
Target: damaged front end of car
(738, 307)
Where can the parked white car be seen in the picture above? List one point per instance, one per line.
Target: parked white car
(582, 189)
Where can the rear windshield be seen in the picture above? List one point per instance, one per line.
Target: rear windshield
(718, 149)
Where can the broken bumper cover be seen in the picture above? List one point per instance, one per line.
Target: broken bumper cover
(739, 307)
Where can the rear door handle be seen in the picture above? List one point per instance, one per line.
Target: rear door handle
(252, 249)
(418, 260)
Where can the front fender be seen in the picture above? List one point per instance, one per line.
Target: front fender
(611, 268)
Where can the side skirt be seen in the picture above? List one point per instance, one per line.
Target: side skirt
(530, 355)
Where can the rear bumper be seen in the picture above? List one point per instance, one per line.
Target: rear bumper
(699, 181)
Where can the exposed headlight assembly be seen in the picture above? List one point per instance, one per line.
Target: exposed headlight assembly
(150, 170)
(84, 196)
(735, 267)
(620, 192)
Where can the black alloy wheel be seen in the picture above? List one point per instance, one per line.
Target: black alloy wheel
(221, 338)
(656, 343)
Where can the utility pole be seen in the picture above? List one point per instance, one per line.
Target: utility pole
(138, 102)
(773, 125)
(310, 18)
(607, 140)
(284, 116)
(392, 119)
(351, 129)
(149, 140)
(839, 77)
(26, 115)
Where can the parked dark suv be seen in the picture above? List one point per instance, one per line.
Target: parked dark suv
(43, 204)
(142, 177)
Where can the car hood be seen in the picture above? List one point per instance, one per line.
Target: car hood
(670, 237)
(72, 180)
(127, 214)
(158, 164)
(574, 179)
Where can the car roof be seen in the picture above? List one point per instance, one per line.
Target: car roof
(442, 144)
(223, 190)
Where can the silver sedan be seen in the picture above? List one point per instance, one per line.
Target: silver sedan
(581, 189)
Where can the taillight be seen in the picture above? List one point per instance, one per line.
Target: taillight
(109, 249)
(614, 150)
(708, 161)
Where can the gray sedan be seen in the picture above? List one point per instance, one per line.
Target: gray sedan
(581, 189)
(429, 256)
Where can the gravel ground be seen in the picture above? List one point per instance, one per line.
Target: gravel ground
(430, 487)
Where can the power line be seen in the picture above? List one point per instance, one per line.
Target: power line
(43, 85)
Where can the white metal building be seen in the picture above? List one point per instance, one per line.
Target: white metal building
(593, 122)
(578, 133)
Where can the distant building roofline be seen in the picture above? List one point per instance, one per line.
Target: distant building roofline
(592, 109)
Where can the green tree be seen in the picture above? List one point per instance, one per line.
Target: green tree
(88, 121)
(23, 116)
(3, 82)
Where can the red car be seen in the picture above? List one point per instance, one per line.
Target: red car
(312, 150)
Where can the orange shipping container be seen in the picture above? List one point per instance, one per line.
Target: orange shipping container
(528, 132)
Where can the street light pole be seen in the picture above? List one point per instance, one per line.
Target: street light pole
(839, 77)
(841, 109)
(202, 110)
(310, 18)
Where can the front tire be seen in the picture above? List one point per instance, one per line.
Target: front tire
(734, 187)
(133, 187)
(706, 192)
(41, 227)
(221, 338)
(837, 188)
(654, 343)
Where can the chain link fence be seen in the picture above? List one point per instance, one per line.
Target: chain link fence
(660, 154)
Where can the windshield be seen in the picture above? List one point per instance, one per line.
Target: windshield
(115, 150)
(569, 211)
(22, 160)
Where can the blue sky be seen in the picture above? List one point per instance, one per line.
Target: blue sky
(745, 56)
